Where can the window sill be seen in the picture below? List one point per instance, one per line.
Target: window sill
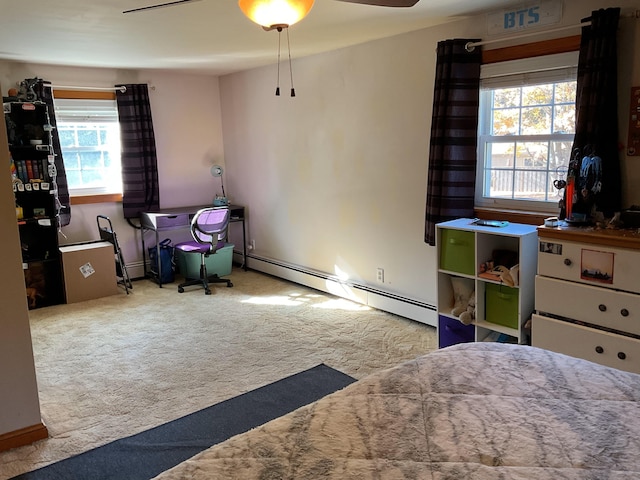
(102, 198)
(514, 216)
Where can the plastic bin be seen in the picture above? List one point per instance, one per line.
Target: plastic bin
(457, 251)
(501, 305)
(220, 263)
(452, 331)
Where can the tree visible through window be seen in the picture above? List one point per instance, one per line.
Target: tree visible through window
(526, 131)
(90, 142)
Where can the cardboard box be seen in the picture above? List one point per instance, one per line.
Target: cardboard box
(89, 271)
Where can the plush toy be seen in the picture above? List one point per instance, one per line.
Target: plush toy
(505, 275)
(469, 315)
(462, 292)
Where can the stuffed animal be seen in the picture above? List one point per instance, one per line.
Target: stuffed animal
(505, 275)
(469, 315)
(462, 292)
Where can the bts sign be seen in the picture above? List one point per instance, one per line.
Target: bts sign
(534, 14)
(521, 18)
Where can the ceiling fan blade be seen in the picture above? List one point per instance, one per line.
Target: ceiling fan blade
(159, 5)
(384, 3)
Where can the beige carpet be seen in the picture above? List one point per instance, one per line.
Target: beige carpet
(115, 366)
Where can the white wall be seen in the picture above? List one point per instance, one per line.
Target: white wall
(19, 404)
(335, 178)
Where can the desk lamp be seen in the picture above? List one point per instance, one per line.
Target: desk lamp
(219, 201)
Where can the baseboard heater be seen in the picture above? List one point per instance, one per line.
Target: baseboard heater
(360, 293)
(135, 270)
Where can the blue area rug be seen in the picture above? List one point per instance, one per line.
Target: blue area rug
(147, 454)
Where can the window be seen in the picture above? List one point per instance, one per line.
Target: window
(90, 142)
(525, 133)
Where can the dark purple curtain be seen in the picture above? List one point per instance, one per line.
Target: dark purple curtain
(595, 165)
(140, 192)
(454, 135)
(42, 89)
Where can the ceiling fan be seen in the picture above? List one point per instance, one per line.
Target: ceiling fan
(380, 3)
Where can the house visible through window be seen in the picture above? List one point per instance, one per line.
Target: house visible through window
(525, 133)
(90, 142)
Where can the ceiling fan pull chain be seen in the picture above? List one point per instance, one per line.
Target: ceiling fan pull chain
(278, 84)
(293, 90)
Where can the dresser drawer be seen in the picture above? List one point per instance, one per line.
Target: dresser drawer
(160, 221)
(173, 221)
(599, 306)
(607, 267)
(579, 341)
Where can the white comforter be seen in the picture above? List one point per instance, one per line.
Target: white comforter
(471, 411)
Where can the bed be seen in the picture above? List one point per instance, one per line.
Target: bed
(466, 412)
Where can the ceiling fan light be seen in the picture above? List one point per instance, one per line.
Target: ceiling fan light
(272, 13)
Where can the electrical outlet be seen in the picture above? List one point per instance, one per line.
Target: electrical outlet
(252, 244)
(380, 275)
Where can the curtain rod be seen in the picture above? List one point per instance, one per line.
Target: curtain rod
(471, 45)
(121, 88)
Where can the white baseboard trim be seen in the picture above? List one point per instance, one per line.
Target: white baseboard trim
(135, 269)
(360, 293)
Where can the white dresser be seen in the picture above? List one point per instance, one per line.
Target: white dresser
(587, 295)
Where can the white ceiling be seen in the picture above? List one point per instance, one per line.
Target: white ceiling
(211, 36)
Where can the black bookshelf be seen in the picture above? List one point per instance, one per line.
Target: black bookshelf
(30, 146)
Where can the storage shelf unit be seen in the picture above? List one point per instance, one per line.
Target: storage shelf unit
(500, 309)
(588, 295)
(34, 186)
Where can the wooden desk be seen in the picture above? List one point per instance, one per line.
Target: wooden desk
(178, 218)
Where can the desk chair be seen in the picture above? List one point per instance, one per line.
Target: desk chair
(209, 231)
(105, 228)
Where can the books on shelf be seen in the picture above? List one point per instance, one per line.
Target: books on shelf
(29, 170)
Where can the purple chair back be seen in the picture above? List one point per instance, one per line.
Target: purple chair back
(209, 226)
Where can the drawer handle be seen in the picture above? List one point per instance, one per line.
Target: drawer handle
(624, 312)
(567, 261)
(602, 307)
(599, 349)
(622, 355)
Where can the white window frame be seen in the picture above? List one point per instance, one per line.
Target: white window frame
(90, 110)
(516, 73)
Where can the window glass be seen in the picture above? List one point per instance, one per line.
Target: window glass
(90, 142)
(526, 129)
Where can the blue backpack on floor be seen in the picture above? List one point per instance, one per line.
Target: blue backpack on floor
(166, 259)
